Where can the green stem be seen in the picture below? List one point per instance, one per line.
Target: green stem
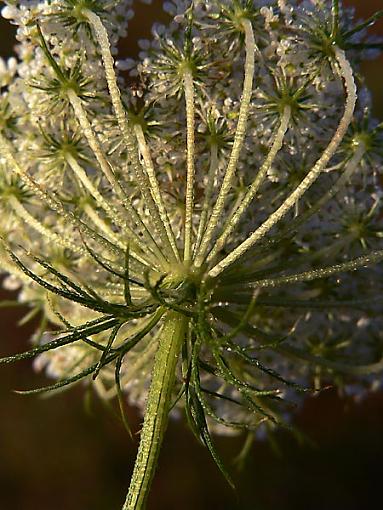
(157, 409)
(239, 138)
(346, 73)
(190, 172)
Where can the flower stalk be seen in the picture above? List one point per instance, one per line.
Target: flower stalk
(190, 173)
(237, 144)
(347, 74)
(157, 409)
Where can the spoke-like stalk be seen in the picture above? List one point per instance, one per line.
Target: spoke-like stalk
(140, 263)
(81, 174)
(53, 202)
(189, 195)
(36, 224)
(237, 145)
(254, 187)
(324, 272)
(111, 211)
(7, 153)
(157, 409)
(351, 168)
(156, 192)
(335, 18)
(206, 207)
(107, 170)
(82, 119)
(102, 226)
(311, 177)
(128, 134)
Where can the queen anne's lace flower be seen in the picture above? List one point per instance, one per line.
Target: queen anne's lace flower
(209, 203)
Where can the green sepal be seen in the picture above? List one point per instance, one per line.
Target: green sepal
(198, 416)
(120, 396)
(78, 334)
(108, 348)
(366, 24)
(272, 373)
(98, 304)
(65, 382)
(335, 19)
(43, 44)
(109, 268)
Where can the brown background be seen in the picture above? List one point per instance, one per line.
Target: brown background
(71, 453)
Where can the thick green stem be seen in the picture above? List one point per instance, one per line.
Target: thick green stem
(157, 409)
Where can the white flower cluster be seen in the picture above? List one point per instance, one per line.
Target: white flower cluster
(281, 177)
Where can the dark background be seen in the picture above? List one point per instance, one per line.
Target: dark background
(70, 452)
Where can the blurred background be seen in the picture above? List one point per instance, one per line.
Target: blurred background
(70, 452)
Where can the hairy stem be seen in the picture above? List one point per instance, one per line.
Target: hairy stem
(237, 145)
(351, 167)
(50, 199)
(311, 177)
(127, 131)
(189, 196)
(82, 176)
(155, 189)
(157, 409)
(254, 187)
(37, 225)
(111, 211)
(208, 195)
(324, 272)
(109, 173)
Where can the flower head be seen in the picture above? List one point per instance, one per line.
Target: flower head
(193, 233)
